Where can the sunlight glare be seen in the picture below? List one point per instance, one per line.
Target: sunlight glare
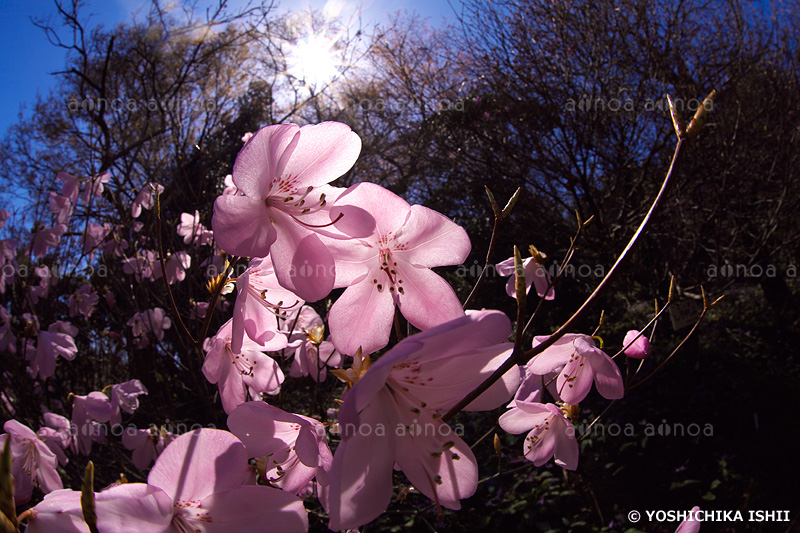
(313, 60)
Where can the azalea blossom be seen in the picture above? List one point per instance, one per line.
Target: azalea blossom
(551, 433)
(56, 434)
(637, 345)
(390, 417)
(153, 321)
(88, 413)
(283, 171)
(94, 186)
(192, 230)
(198, 484)
(146, 198)
(82, 301)
(237, 371)
(8, 341)
(578, 362)
(125, 397)
(93, 236)
(312, 354)
(535, 275)
(8, 262)
(57, 341)
(46, 238)
(175, 265)
(290, 449)
(260, 302)
(387, 263)
(147, 444)
(71, 186)
(61, 206)
(32, 462)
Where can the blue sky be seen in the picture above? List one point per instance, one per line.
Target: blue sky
(27, 59)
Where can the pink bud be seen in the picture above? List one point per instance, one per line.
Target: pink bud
(640, 349)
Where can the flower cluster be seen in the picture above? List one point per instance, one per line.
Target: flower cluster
(301, 238)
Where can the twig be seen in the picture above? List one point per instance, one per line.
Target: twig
(517, 356)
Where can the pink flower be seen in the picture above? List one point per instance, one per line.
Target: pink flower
(535, 274)
(388, 262)
(61, 206)
(147, 444)
(125, 396)
(551, 432)
(56, 341)
(141, 266)
(260, 300)
(578, 361)
(198, 484)
(153, 321)
(88, 412)
(56, 434)
(235, 372)
(637, 345)
(83, 301)
(146, 199)
(4, 215)
(32, 462)
(8, 262)
(46, 238)
(312, 354)
(390, 417)
(290, 449)
(94, 186)
(94, 235)
(42, 289)
(71, 186)
(190, 227)
(175, 265)
(8, 341)
(283, 171)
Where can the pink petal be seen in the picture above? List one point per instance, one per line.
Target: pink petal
(427, 299)
(262, 160)
(134, 507)
(254, 509)
(536, 274)
(59, 512)
(436, 461)
(361, 476)
(448, 380)
(540, 452)
(262, 428)
(565, 453)
(388, 210)
(302, 262)
(607, 377)
(553, 357)
(353, 260)
(518, 420)
(575, 380)
(199, 463)
(361, 317)
(324, 152)
(242, 226)
(432, 239)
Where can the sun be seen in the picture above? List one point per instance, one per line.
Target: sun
(313, 60)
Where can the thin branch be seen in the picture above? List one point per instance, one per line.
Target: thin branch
(516, 356)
